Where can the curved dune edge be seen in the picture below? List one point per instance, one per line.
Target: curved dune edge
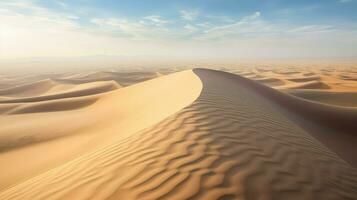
(317, 78)
(35, 88)
(346, 99)
(270, 81)
(305, 85)
(123, 78)
(304, 79)
(73, 91)
(332, 125)
(230, 143)
(68, 134)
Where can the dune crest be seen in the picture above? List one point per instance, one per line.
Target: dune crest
(70, 127)
(35, 88)
(230, 139)
(59, 91)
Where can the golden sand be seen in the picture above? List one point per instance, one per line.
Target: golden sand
(195, 134)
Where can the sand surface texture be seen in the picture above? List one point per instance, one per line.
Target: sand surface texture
(336, 85)
(194, 134)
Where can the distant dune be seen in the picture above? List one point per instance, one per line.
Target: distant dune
(194, 134)
(306, 85)
(328, 97)
(336, 86)
(48, 90)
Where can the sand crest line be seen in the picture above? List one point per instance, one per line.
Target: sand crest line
(229, 142)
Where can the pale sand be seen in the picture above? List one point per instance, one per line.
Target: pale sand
(48, 90)
(200, 134)
(105, 118)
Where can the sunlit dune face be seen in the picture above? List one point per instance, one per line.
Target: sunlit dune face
(178, 99)
(198, 133)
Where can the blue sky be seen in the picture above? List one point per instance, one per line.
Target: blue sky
(202, 28)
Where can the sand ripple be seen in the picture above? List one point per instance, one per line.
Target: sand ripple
(228, 144)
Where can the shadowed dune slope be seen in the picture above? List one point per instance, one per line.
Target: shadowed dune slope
(314, 78)
(30, 89)
(306, 85)
(237, 140)
(348, 99)
(304, 79)
(332, 125)
(271, 81)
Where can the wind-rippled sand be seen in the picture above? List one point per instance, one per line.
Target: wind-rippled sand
(195, 134)
(331, 85)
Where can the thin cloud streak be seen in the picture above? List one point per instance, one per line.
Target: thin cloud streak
(28, 29)
(189, 15)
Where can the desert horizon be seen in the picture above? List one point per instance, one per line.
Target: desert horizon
(211, 100)
(151, 129)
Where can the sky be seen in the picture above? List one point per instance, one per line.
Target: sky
(215, 29)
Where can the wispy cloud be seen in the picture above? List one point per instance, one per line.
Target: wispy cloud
(39, 16)
(149, 27)
(28, 27)
(155, 20)
(61, 3)
(189, 15)
(250, 24)
(311, 29)
(191, 28)
(255, 26)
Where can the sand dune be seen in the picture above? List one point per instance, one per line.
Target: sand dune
(65, 92)
(49, 106)
(304, 79)
(308, 74)
(122, 78)
(349, 77)
(306, 85)
(224, 137)
(335, 86)
(270, 81)
(31, 89)
(73, 132)
(348, 99)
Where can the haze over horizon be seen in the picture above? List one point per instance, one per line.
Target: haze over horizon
(178, 29)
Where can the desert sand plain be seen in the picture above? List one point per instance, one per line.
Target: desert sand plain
(257, 132)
